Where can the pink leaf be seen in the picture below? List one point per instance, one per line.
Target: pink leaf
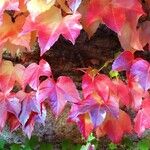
(123, 92)
(3, 113)
(29, 104)
(140, 71)
(8, 103)
(97, 116)
(142, 119)
(13, 122)
(87, 85)
(137, 94)
(70, 27)
(59, 93)
(115, 128)
(50, 24)
(123, 61)
(34, 71)
(29, 126)
(85, 125)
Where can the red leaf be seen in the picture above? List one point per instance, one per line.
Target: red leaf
(129, 37)
(59, 93)
(103, 91)
(29, 104)
(29, 126)
(113, 17)
(123, 92)
(85, 106)
(3, 112)
(63, 91)
(142, 119)
(70, 27)
(40, 118)
(13, 104)
(85, 125)
(45, 89)
(8, 103)
(50, 24)
(34, 117)
(13, 122)
(115, 128)
(140, 71)
(87, 85)
(34, 71)
(112, 12)
(97, 116)
(104, 86)
(123, 61)
(137, 94)
(107, 91)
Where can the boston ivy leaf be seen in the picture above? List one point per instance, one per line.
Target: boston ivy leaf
(137, 94)
(107, 92)
(85, 106)
(50, 24)
(103, 91)
(39, 117)
(29, 104)
(13, 104)
(97, 116)
(85, 125)
(123, 61)
(123, 92)
(3, 113)
(13, 122)
(87, 85)
(7, 5)
(29, 125)
(142, 119)
(10, 31)
(140, 70)
(105, 10)
(34, 71)
(70, 27)
(58, 93)
(46, 25)
(38, 7)
(9, 74)
(9, 103)
(115, 127)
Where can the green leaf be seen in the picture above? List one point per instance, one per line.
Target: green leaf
(27, 147)
(15, 147)
(66, 144)
(46, 146)
(143, 144)
(128, 143)
(114, 74)
(85, 147)
(2, 144)
(91, 138)
(112, 146)
(33, 142)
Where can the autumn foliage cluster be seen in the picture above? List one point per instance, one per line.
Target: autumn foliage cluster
(104, 103)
